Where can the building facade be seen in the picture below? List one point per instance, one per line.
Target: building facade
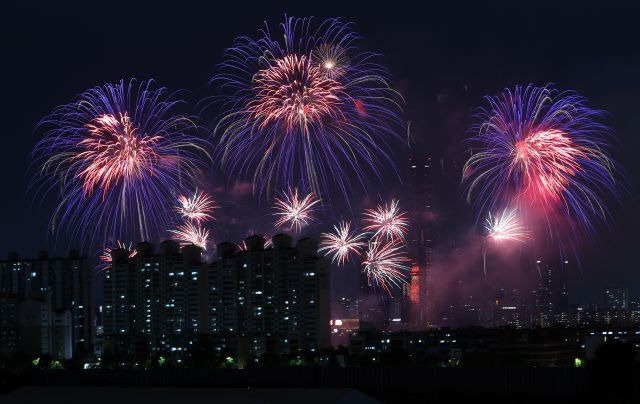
(67, 282)
(421, 299)
(551, 298)
(151, 304)
(248, 302)
(269, 300)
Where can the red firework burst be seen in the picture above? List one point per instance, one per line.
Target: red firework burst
(546, 161)
(295, 91)
(115, 152)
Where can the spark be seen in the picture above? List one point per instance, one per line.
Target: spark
(342, 243)
(505, 226)
(295, 211)
(190, 233)
(197, 207)
(106, 259)
(333, 60)
(386, 220)
(385, 265)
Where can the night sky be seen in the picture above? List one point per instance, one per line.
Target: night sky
(443, 60)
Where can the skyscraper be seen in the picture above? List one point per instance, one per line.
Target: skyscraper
(615, 298)
(422, 311)
(552, 296)
(614, 305)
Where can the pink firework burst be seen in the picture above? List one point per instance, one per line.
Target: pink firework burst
(546, 161)
(116, 153)
(190, 233)
(294, 91)
(342, 243)
(105, 258)
(385, 264)
(506, 226)
(268, 242)
(386, 220)
(197, 207)
(295, 211)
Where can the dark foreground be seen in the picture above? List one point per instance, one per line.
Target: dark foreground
(299, 384)
(149, 395)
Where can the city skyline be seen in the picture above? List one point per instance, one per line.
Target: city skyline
(319, 202)
(447, 106)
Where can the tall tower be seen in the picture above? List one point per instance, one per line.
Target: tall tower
(552, 297)
(421, 247)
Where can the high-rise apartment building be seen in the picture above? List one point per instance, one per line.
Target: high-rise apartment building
(43, 330)
(151, 300)
(67, 281)
(275, 299)
(250, 302)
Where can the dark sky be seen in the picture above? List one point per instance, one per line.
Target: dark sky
(443, 59)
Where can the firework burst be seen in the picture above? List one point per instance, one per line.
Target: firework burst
(545, 148)
(386, 220)
(295, 211)
(105, 258)
(505, 226)
(198, 207)
(385, 264)
(311, 110)
(190, 233)
(331, 59)
(342, 243)
(118, 155)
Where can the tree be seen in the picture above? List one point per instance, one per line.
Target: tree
(612, 369)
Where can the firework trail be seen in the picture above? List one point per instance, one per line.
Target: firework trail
(342, 243)
(505, 226)
(190, 233)
(197, 207)
(543, 148)
(385, 265)
(311, 109)
(117, 155)
(295, 211)
(386, 220)
(105, 258)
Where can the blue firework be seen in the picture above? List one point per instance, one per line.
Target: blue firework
(116, 158)
(305, 109)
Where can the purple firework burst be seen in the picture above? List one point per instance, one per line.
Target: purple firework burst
(545, 150)
(309, 110)
(118, 156)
